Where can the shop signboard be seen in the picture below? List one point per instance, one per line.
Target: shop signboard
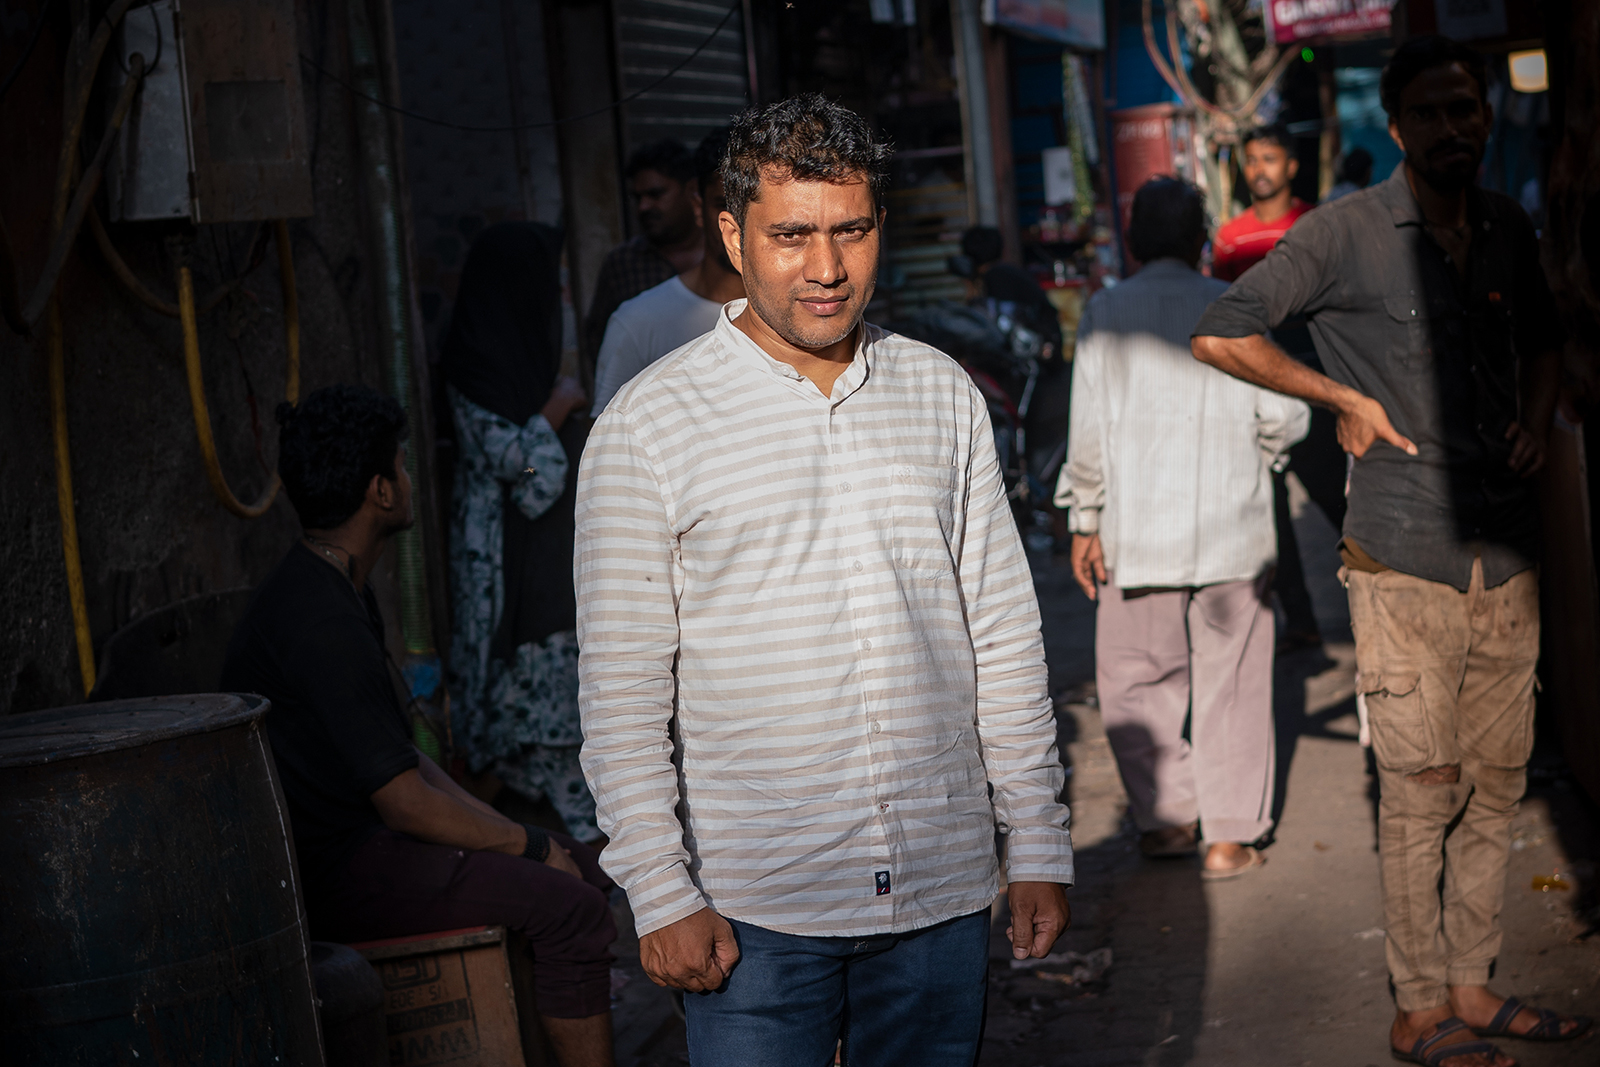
(1293, 21)
(1148, 141)
(1075, 22)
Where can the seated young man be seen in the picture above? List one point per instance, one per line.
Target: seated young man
(389, 845)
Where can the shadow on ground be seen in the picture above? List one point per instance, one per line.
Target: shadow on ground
(1151, 915)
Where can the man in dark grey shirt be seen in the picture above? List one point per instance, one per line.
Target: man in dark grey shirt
(1440, 339)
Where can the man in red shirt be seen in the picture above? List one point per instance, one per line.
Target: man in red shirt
(1269, 167)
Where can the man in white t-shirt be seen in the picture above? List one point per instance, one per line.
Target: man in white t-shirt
(672, 314)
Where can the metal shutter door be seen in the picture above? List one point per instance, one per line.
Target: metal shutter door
(653, 36)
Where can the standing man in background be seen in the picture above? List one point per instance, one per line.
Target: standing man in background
(1269, 167)
(681, 308)
(1169, 484)
(660, 176)
(1442, 345)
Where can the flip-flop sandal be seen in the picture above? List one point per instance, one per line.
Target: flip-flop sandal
(1548, 1028)
(1430, 1053)
(1224, 873)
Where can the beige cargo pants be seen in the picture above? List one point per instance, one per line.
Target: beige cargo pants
(1448, 679)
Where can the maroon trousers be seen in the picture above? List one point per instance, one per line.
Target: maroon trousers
(397, 886)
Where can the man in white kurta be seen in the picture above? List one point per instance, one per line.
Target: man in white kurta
(1169, 484)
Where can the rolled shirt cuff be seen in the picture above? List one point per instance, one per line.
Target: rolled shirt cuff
(1084, 520)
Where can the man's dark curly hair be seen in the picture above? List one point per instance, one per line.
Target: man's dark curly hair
(806, 138)
(666, 156)
(329, 447)
(1425, 53)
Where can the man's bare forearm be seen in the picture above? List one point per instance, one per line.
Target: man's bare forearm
(437, 777)
(1257, 360)
(410, 804)
(1254, 359)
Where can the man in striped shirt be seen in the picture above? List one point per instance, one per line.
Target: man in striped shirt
(812, 679)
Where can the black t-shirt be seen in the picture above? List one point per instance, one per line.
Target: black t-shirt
(314, 646)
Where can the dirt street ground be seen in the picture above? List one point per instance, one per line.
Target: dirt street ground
(1283, 967)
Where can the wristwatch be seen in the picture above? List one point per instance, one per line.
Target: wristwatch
(538, 844)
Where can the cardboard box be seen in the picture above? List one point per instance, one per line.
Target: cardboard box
(448, 998)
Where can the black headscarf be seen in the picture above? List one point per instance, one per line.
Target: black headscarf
(503, 350)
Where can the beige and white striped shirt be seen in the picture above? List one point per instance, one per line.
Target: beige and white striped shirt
(810, 645)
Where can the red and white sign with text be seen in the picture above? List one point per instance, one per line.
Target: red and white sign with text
(1298, 20)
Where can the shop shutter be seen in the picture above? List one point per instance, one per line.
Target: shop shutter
(654, 36)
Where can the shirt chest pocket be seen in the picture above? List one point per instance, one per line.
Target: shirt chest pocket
(1411, 313)
(922, 507)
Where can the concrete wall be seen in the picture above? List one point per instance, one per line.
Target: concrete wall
(150, 528)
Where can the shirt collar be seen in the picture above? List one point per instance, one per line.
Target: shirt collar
(1404, 209)
(738, 345)
(1396, 194)
(1168, 266)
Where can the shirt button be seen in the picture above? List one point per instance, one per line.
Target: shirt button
(857, 567)
(866, 646)
(877, 727)
(845, 487)
(883, 806)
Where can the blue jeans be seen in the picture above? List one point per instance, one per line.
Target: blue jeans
(894, 999)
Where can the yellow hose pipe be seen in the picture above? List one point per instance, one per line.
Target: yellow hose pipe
(130, 281)
(197, 385)
(69, 512)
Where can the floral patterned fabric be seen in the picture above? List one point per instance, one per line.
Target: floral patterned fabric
(519, 719)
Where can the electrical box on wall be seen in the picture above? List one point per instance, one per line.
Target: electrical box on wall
(149, 174)
(217, 133)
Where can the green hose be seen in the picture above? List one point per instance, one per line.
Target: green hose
(416, 622)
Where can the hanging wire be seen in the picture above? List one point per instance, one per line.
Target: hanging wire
(319, 68)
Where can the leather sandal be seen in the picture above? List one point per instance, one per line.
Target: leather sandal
(1429, 1052)
(1548, 1028)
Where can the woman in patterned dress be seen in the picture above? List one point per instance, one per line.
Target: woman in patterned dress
(513, 674)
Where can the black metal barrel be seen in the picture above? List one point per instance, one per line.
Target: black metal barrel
(149, 907)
